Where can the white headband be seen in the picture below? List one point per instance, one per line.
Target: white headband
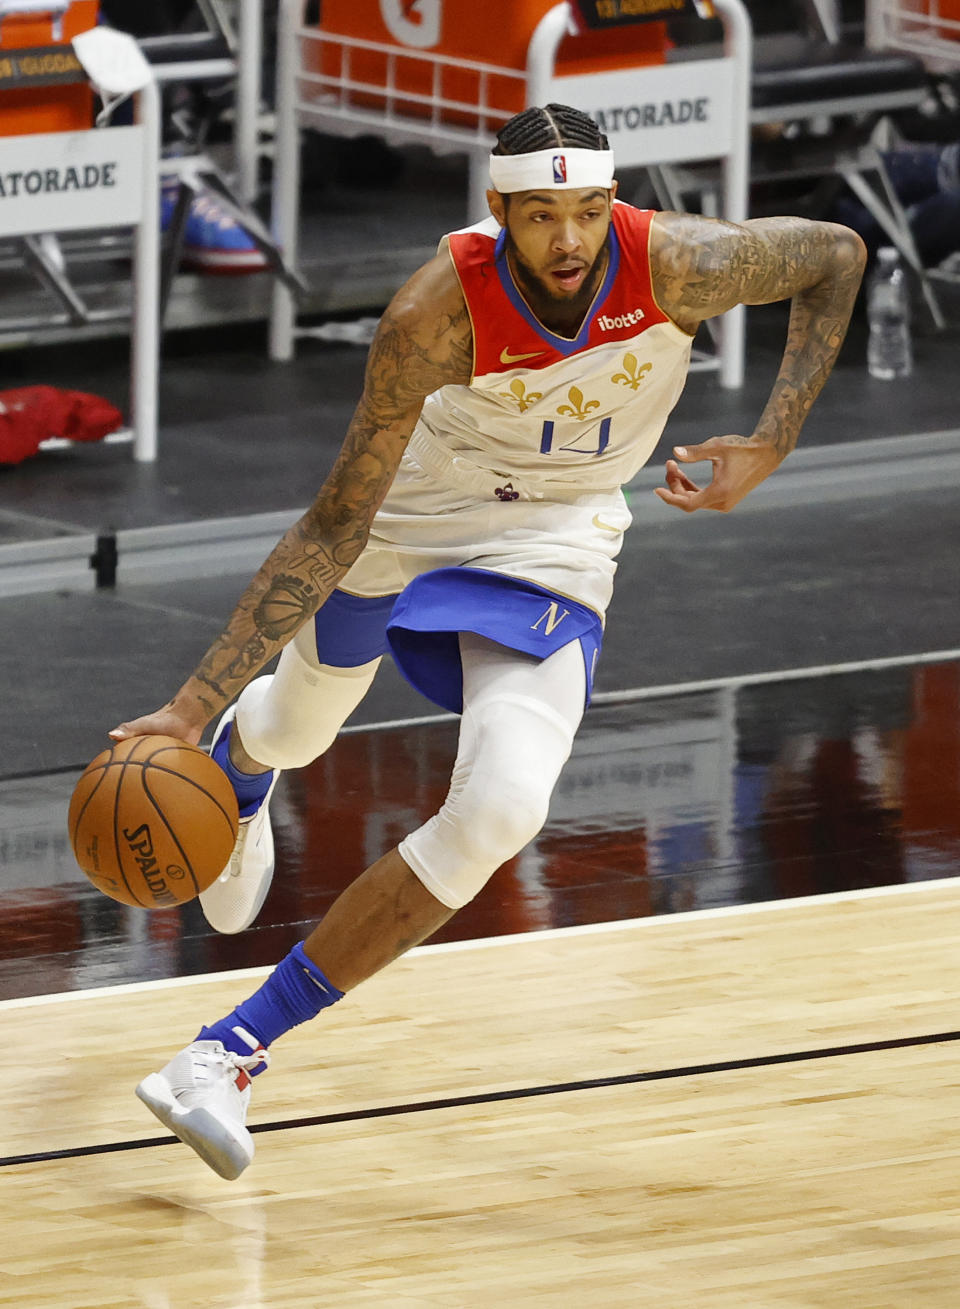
(556, 169)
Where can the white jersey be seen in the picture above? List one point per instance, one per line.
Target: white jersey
(545, 415)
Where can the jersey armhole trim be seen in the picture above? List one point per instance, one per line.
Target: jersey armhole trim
(466, 301)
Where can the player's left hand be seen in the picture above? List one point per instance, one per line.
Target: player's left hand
(739, 464)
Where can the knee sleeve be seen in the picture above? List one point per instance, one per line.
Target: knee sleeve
(287, 720)
(516, 735)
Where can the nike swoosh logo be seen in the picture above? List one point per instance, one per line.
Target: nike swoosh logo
(605, 527)
(507, 358)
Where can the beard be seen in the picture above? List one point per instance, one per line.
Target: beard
(536, 289)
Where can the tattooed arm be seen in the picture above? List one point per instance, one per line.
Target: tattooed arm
(702, 267)
(424, 341)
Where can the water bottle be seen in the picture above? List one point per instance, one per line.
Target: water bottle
(889, 352)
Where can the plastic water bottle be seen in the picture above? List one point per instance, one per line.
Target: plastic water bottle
(889, 352)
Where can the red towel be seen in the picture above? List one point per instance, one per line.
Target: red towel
(31, 414)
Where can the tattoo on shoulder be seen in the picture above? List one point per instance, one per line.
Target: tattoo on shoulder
(405, 366)
(703, 266)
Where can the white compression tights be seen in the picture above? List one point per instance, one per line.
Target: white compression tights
(287, 720)
(520, 715)
(519, 719)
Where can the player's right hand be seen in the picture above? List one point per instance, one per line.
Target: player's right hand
(165, 722)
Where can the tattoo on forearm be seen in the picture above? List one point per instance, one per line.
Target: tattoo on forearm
(403, 368)
(406, 364)
(284, 607)
(819, 317)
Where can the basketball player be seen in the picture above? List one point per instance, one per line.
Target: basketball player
(470, 525)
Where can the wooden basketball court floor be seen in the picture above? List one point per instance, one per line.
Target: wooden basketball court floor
(696, 1046)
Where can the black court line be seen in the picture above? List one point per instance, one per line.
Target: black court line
(494, 1097)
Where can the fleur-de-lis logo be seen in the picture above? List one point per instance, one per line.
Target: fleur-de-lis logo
(576, 408)
(635, 372)
(519, 393)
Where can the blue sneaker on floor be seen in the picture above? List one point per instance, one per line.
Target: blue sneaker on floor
(169, 187)
(216, 242)
(235, 898)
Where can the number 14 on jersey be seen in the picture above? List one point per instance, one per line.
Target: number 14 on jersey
(548, 433)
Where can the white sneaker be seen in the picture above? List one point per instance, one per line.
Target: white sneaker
(235, 898)
(202, 1096)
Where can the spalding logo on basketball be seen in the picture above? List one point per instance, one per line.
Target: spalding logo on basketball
(153, 821)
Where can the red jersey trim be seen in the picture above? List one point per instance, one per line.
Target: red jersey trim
(508, 336)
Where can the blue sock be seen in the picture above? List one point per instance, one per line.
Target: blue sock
(250, 788)
(295, 991)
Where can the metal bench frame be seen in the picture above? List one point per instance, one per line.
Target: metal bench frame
(145, 333)
(308, 98)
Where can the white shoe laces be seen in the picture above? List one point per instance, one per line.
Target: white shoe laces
(211, 212)
(235, 864)
(247, 1061)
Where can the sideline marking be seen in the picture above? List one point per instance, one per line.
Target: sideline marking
(497, 1097)
(783, 675)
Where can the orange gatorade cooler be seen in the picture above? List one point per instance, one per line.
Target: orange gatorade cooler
(929, 11)
(950, 9)
(430, 42)
(42, 88)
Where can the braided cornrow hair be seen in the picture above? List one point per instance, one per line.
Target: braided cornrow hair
(553, 125)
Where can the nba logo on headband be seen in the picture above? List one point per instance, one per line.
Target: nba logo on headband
(547, 168)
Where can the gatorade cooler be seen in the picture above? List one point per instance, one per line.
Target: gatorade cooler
(423, 34)
(35, 46)
(928, 12)
(950, 10)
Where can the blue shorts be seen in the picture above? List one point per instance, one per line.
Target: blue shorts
(420, 626)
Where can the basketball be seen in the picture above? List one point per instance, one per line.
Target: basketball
(153, 821)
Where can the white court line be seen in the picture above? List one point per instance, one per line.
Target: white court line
(515, 938)
(691, 688)
(783, 675)
(390, 724)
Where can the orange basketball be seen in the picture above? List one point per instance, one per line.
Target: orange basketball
(152, 821)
